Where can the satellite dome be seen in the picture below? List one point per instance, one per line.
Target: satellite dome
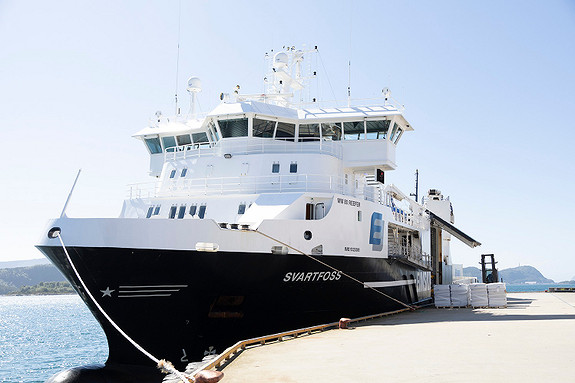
(194, 84)
(280, 60)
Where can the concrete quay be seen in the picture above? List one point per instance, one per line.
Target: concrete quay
(532, 340)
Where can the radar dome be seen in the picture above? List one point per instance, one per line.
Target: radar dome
(194, 84)
(280, 60)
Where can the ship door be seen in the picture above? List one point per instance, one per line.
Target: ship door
(316, 211)
(309, 210)
(319, 211)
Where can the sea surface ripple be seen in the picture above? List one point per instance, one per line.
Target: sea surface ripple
(43, 335)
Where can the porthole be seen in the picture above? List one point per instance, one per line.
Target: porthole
(307, 235)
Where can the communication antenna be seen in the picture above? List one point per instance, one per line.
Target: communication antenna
(416, 195)
(349, 84)
(178, 55)
(349, 62)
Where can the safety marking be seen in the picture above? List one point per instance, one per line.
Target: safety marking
(140, 291)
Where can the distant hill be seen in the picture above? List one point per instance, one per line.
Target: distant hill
(13, 279)
(472, 271)
(520, 274)
(25, 263)
(46, 288)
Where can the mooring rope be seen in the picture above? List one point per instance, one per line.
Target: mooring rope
(160, 363)
(334, 269)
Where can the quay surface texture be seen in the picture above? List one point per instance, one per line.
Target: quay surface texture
(532, 340)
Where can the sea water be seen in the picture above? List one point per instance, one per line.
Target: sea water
(43, 335)
(513, 288)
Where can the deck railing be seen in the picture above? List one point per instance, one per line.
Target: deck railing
(411, 253)
(238, 185)
(257, 146)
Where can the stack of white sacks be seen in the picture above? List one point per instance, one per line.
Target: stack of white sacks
(475, 294)
(497, 295)
(478, 295)
(442, 295)
(459, 295)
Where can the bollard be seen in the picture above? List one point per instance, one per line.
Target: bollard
(208, 376)
(343, 323)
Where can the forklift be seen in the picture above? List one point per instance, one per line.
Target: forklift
(488, 275)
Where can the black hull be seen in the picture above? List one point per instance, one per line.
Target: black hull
(178, 304)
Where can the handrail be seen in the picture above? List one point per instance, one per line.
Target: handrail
(242, 345)
(236, 147)
(234, 185)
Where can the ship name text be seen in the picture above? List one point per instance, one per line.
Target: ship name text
(312, 276)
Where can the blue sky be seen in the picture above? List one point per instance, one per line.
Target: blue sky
(488, 87)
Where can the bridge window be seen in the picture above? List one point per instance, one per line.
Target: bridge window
(276, 167)
(293, 167)
(354, 130)
(264, 128)
(184, 172)
(154, 145)
(400, 132)
(172, 214)
(157, 210)
(150, 211)
(213, 132)
(331, 131)
(199, 138)
(184, 139)
(182, 212)
(202, 211)
(193, 209)
(169, 142)
(285, 131)
(173, 173)
(234, 128)
(394, 131)
(377, 130)
(308, 132)
(242, 208)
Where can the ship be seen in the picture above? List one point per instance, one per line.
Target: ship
(269, 213)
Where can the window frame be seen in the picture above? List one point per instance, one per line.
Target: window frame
(275, 168)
